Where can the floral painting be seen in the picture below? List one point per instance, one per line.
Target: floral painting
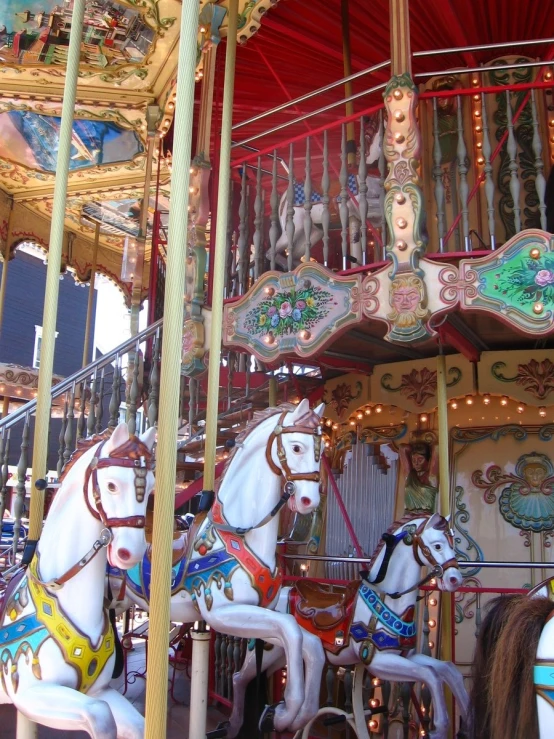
(526, 281)
(288, 312)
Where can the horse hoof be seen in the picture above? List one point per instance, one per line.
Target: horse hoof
(268, 716)
(220, 731)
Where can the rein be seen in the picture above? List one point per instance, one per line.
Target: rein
(284, 471)
(144, 464)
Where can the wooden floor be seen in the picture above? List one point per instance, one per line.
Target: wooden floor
(177, 713)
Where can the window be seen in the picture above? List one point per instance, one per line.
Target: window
(38, 345)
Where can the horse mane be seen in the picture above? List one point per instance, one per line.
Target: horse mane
(391, 530)
(83, 445)
(511, 691)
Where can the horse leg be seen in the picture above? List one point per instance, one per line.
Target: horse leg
(130, 723)
(400, 669)
(64, 708)
(242, 679)
(449, 674)
(314, 661)
(261, 623)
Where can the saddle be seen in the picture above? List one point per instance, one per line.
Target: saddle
(180, 538)
(324, 610)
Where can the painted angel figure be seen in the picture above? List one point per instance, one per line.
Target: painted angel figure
(419, 463)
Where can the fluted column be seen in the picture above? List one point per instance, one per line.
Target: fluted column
(162, 535)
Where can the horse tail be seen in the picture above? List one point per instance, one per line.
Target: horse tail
(512, 704)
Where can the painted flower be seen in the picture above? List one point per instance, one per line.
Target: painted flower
(262, 320)
(296, 315)
(300, 304)
(285, 309)
(271, 311)
(544, 277)
(310, 302)
(274, 320)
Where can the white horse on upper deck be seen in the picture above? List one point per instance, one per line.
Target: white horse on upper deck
(57, 645)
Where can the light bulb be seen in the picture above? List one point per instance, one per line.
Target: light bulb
(486, 399)
(504, 400)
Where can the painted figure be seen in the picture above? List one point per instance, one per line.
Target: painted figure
(408, 300)
(419, 463)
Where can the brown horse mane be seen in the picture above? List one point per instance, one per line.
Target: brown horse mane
(503, 697)
(83, 445)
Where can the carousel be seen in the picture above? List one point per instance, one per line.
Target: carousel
(322, 476)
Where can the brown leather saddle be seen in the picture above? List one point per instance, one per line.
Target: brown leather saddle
(325, 605)
(180, 538)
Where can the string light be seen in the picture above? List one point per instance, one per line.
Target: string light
(542, 411)
(423, 417)
(469, 399)
(521, 407)
(504, 400)
(378, 408)
(373, 725)
(486, 399)
(454, 405)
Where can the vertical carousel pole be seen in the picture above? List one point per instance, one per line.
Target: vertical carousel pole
(166, 454)
(91, 295)
(4, 281)
(347, 65)
(25, 728)
(200, 649)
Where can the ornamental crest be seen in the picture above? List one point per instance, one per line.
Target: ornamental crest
(525, 496)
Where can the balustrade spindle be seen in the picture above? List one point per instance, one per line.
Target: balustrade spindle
(154, 383)
(289, 224)
(325, 216)
(274, 202)
(222, 677)
(385, 692)
(242, 243)
(229, 676)
(217, 660)
(307, 203)
(91, 418)
(61, 438)
(540, 182)
(489, 181)
(134, 394)
(4, 474)
(81, 423)
(68, 437)
(236, 656)
(405, 695)
(343, 208)
(462, 171)
(362, 192)
(19, 503)
(348, 697)
(257, 238)
(115, 400)
(437, 176)
(382, 176)
(100, 404)
(330, 685)
(512, 154)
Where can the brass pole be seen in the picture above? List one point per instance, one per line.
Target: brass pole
(400, 51)
(5, 405)
(25, 727)
(348, 90)
(198, 697)
(91, 294)
(162, 535)
(4, 281)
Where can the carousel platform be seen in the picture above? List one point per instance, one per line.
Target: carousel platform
(177, 706)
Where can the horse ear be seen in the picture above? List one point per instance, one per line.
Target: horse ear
(320, 409)
(119, 437)
(436, 521)
(149, 437)
(301, 410)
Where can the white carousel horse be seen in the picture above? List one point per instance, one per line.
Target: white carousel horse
(513, 668)
(374, 210)
(371, 623)
(57, 646)
(226, 572)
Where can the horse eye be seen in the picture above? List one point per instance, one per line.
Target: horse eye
(296, 448)
(112, 487)
(438, 547)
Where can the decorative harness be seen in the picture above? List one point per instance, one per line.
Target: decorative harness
(220, 567)
(28, 634)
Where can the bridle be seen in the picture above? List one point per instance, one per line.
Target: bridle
(420, 549)
(135, 455)
(311, 427)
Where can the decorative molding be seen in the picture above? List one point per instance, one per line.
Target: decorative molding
(193, 359)
(515, 283)
(297, 313)
(341, 396)
(419, 385)
(372, 435)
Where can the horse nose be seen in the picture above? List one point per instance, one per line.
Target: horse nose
(453, 580)
(305, 500)
(123, 554)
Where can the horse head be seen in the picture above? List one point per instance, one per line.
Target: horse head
(373, 139)
(121, 480)
(294, 452)
(433, 546)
